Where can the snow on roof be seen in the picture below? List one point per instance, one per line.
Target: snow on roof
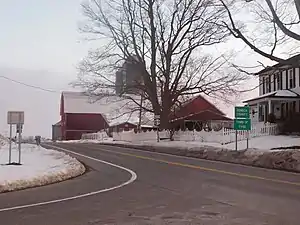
(285, 93)
(280, 93)
(75, 102)
(126, 118)
(114, 109)
(297, 90)
(57, 124)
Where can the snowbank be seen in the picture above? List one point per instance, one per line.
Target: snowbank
(109, 140)
(267, 142)
(263, 143)
(265, 157)
(39, 167)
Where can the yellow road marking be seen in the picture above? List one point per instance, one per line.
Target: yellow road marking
(204, 168)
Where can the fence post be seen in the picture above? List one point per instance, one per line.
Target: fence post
(223, 135)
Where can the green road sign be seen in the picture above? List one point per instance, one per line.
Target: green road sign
(242, 124)
(242, 112)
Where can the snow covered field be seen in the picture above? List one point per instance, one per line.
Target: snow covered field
(40, 166)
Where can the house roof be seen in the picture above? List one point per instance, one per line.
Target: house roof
(57, 124)
(278, 94)
(196, 105)
(114, 109)
(289, 62)
(205, 115)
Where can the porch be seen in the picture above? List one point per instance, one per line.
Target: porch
(206, 119)
(280, 103)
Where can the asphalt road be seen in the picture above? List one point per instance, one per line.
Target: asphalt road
(167, 190)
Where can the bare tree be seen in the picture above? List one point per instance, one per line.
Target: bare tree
(166, 40)
(274, 24)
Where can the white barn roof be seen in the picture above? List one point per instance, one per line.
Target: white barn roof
(114, 109)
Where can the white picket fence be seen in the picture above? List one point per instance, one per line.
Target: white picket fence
(223, 136)
(131, 136)
(101, 135)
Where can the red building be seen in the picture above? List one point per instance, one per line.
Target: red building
(197, 110)
(79, 115)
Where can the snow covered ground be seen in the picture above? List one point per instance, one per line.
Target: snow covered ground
(267, 142)
(264, 143)
(259, 154)
(40, 166)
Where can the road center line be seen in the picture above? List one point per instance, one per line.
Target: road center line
(201, 168)
(132, 179)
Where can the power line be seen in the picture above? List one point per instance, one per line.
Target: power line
(29, 85)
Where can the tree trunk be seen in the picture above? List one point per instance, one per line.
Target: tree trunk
(297, 3)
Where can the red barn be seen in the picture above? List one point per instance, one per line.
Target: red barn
(197, 109)
(79, 115)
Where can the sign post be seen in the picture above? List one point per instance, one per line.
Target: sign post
(10, 136)
(242, 121)
(15, 118)
(19, 131)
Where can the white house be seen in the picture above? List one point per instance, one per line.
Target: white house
(279, 91)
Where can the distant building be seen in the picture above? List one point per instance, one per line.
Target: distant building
(198, 111)
(79, 116)
(56, 132)
(85, 114)
(128, 77)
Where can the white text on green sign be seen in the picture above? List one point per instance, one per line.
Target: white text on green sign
(242, 124)
(242, 112)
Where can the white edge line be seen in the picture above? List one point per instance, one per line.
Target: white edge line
(132, 179)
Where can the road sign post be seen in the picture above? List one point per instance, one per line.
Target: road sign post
(242, 121)
(10, 136)
(15, 118)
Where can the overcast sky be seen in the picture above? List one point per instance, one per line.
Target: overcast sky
(40, 45)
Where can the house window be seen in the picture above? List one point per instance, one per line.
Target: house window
(291, 78)
(274, 82)
(270, 81)
(268, 85)
(294, 76)
(263, 86)
(294, 106)
(260, 113)
(299, 76)
(286, 80)
(282, 114)
(280, 81)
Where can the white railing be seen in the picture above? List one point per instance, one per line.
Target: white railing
(257, 130)
(101, 135)
(223, 136)
(131, 136)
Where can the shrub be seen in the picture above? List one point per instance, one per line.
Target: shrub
(291, 124)
(271, 118)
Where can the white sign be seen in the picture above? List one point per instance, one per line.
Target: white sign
(15, 117)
